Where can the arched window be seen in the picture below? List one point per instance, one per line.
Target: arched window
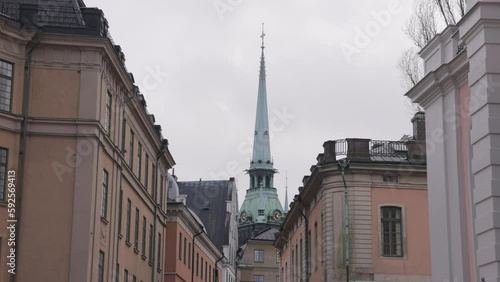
(392, 231)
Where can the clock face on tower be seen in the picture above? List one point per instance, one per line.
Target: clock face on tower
(243, 217)
(277, 215)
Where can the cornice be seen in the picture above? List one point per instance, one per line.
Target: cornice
(438, 39)
(439, 82)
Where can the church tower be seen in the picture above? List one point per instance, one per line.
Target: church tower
(261, 208)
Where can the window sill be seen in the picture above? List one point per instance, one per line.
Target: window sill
(104, 220)
(136, 250)
(120, 236)
(158, 270)
(128, 243)
(393, 257)
(150, 263)
(143, 257)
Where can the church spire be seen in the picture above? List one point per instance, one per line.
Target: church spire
(261, 146)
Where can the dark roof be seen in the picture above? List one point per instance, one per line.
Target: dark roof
(62, 13)
(267, 235)
(207, 199)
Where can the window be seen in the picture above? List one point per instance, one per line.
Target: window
(136, 230)
(5, 86)
(210, 274)
(158, 257)
(261, 212)
(134, 279)
(258, 278)
(139, 161)
(104, 204)
(392, 232)
(107, 121)
(125, 275)
(161, 191)
(129, 207)
(153, 180)
(189, 255)
(259, 255)
(120, 213)
(124, 128)
(278, 257)
(100, 277)
(201, 270)
(151, 242)
(206, 270)
(316, 245)
(144, 236)
(180, 246)
(146, 173)
(277, 278)
(131, 151)
(308, 250)
(3, 170)
(301, 269)
(117, 278)
(292, 264)
(197, 257)
(185, 242)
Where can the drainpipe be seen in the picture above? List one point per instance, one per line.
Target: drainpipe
(24, 136)
(343, 164)
(192, 253)
(216, 276)
(306, 238)
(164, 144)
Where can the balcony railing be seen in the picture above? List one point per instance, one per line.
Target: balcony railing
(372, 150)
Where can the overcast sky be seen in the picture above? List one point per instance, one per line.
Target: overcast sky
(197, 63)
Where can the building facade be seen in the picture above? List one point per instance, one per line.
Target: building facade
(88, 163)
(196, 257)
(387, 218)
(215, 202)
(258, 259)
(460, 93)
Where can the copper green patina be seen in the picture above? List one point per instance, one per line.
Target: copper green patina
(261, 203)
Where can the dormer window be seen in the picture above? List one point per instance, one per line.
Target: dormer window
(261, 212)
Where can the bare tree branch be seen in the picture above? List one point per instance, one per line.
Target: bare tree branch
(421, 26)
(411, 68)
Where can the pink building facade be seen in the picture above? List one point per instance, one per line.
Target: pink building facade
(460, 93)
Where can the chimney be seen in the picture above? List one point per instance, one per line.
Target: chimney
(28, 15)
(419, 126)
(416, 147)
(358, 148)
(329, 152)
(95, 21)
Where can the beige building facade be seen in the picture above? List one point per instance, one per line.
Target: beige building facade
(258, 259)
(87, 161)
(387, 214)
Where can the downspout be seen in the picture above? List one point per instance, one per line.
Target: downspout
(216, 276)
(192, 254)
(306, 239)
(342, 166)
(163, 148)
(24, 136)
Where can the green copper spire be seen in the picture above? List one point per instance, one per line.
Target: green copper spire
(261, 205)
(261, 145)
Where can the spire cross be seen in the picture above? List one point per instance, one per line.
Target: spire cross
(262, 35)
